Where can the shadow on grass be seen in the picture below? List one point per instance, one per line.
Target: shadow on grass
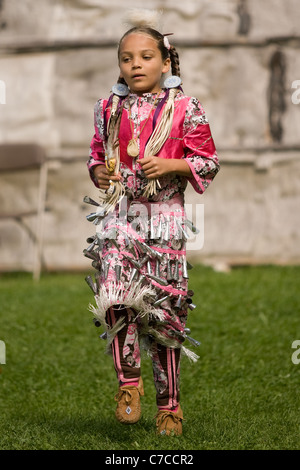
(91, 432)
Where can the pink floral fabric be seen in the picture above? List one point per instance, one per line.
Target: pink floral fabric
(156, 222)
(190, 139)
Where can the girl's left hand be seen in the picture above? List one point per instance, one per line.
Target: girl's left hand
(155, 167)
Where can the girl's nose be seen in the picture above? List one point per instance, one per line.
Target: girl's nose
(136, 63)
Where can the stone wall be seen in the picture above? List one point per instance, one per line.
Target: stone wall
(239, 57)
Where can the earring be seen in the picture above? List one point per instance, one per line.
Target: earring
(172, 82)
(120, 89)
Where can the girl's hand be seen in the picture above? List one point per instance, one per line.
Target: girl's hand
(102, 176)
(155, 167)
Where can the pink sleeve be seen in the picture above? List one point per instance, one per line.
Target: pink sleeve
(200, 151)
(97, 150)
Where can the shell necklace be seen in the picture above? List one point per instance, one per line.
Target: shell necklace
(133, 147)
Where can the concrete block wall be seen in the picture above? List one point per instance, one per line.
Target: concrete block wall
(239, 57)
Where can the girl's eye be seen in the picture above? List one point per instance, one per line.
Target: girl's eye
(147, 57)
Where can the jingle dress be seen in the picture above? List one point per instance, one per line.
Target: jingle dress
(140, 248)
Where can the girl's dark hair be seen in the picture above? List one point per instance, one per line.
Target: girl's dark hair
(159, 38)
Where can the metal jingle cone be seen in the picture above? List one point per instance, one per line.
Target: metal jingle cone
(179, 335)
(134, 275)
(193, 341)
(91, 284)
(91, 255)
(114, 243)
(106, 269)
(178, 303)
(104, 335)
(169, 270)
(142, 246)
(157, 270)
(91, 217)
(184, 269)
(182, 231)
(142, 279)
(91, 239)
(96, 265)
(162, 282)
(131, 249)
(187, 331)
(192, 306)
(95, 215)
(160, 301)
(133, 262)
(98, 220)
(191, 226)
(149, 267)
(176, 271)
(144, 260)
(92, 245)
(155, 254)
(98, 280)
(189, 265)
(118, 268)
(148, 250)
(89, 200)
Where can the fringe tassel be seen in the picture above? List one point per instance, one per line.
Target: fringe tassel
(112, 200)
(190, 354)
(158, 138)
(135, 297)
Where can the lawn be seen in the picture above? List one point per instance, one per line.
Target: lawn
(57, 387)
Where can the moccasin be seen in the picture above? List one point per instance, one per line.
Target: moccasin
(169, 422)
(129, 405)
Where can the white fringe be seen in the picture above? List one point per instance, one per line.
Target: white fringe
(190, 354)
(135, 297)
(158, 138)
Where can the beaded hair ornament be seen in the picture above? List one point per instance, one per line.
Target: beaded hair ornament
(160, 133)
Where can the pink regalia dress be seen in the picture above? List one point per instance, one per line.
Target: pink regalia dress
(139, 250)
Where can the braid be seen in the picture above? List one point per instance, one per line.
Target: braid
(121, 80)
(174, 61)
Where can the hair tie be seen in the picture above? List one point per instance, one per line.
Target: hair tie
(166, 43)
(166, 40)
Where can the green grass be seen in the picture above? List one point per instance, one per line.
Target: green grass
(57, 386)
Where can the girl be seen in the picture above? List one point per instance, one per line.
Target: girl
(149, 142)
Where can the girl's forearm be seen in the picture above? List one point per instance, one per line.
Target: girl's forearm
(180, 167)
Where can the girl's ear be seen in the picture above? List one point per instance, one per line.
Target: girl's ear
(166, 65)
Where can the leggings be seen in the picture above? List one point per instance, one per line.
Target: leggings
(127, 362)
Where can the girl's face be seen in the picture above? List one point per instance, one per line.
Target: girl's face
(141, 63)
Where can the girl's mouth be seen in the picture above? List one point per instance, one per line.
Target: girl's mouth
(138, 75)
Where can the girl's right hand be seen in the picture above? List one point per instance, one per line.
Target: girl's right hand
(102, 176)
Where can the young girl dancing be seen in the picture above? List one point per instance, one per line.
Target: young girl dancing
(149, 142)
